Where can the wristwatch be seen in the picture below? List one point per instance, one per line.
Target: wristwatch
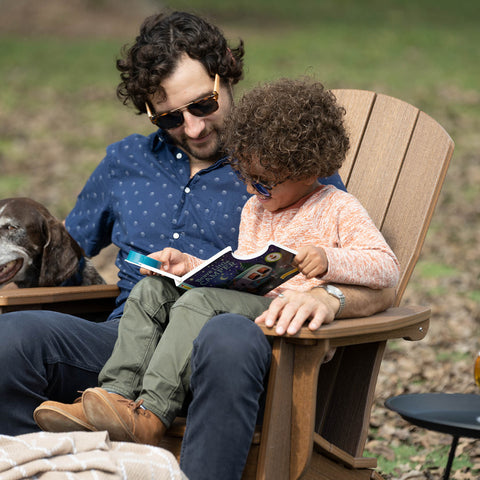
(336, 292)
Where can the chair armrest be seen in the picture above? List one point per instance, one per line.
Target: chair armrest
(92, 301)
(409, 322)
(26, 296)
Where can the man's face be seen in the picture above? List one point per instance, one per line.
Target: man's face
(199, 137)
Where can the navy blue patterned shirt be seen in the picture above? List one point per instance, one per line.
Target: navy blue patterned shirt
(141, 197)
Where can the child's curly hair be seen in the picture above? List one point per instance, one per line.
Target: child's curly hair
(293, 128)
(162, 41)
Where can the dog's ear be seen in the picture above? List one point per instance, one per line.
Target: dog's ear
(61, 254)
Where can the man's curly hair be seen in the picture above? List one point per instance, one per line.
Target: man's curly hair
(162, 41)
(293, 128)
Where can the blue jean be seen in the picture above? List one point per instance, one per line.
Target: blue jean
(230, 361)
(51, 356)
(47, 356)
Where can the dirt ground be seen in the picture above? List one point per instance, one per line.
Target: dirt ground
(443, 361)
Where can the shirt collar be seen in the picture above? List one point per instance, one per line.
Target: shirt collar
(158, 139)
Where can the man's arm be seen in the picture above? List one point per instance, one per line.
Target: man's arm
(364, 301)
(290, 311)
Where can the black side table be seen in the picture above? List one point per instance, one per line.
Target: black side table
(455, 414)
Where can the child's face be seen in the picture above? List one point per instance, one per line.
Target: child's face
(283, 194)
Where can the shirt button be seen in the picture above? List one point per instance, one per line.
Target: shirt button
(187, 190)
(176, 235)
(179, 156)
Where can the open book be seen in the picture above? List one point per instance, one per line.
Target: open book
(257, 273)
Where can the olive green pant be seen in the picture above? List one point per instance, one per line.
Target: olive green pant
(151, 357)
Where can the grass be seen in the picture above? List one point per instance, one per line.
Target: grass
(402, 46)
(65, 67)
(408, 457)
(352, 12)
(405, 63)
(435, 270)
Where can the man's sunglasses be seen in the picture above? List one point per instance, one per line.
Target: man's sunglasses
(200, 108)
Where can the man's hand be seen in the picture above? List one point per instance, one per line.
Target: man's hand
(290, 311)
(294, 308)
(311, 261)
(173, 261)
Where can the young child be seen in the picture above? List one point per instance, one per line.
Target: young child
(282, 137)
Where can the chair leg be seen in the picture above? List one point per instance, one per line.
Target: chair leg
(276, 423)
(307, 365)
(290, 409)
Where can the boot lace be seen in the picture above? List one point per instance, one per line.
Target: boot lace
(135, 406)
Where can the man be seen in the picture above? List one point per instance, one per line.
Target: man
(172, 188)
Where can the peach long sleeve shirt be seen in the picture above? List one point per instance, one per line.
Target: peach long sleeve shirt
(329, 218)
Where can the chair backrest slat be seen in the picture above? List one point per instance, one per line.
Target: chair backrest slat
(359, 104)
(416, 194)
(396, 166)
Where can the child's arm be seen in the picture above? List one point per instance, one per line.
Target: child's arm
(360, 255)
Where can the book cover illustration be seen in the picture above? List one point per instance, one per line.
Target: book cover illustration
(258, 273)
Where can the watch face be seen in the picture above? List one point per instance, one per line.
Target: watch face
(334, 291)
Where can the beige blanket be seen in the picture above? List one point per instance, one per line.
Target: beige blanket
(83, 455)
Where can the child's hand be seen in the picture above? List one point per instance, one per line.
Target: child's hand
(173, 261)
(311, 261)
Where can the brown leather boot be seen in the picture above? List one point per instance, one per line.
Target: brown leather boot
(62, 417)
(125, 420)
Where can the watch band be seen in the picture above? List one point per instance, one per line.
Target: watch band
(337, 293)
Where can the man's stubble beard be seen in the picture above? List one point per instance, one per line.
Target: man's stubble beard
(214, 152)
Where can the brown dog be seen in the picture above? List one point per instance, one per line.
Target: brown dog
(37, 251)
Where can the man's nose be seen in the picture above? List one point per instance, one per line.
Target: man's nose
(193, 125)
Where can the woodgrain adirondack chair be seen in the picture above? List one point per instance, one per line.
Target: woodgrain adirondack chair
(317, 415)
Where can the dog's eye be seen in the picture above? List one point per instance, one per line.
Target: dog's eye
(10, 228)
